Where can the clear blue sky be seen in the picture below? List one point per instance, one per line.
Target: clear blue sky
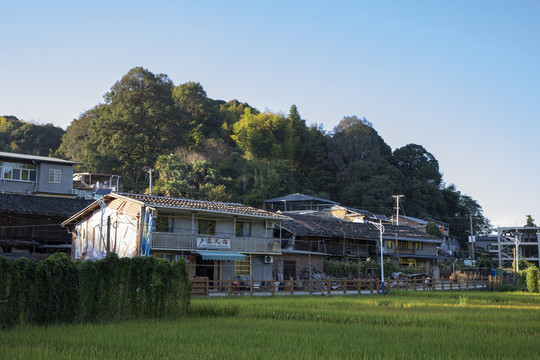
(461, 78)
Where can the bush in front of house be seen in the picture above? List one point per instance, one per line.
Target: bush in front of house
(57, 290)
(353, 270)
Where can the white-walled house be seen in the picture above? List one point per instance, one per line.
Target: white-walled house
(220, 240)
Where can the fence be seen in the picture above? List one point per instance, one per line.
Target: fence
(203, 286)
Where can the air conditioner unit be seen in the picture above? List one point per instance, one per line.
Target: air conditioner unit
(268, 259)
(270, 224)
(74, 191)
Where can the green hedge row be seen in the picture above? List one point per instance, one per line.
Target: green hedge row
(353, 270)
(59, 290)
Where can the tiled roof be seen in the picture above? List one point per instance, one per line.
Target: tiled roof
(322, 226)
(41, 205)
(199, 205)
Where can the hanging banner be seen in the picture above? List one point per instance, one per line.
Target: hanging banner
(213, 243)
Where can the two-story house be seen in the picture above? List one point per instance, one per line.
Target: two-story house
(220, 240)
(35, 175)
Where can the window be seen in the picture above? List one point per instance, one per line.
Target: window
(389, 244)
(207, 227)
(243, 267)
(164, 224)
(419, 246)
(243, 228)
(54, 176)
(403, 245)
(16, 171)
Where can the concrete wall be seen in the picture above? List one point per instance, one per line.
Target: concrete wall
(17, 187)
(66, 179)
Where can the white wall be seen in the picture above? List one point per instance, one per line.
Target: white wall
(123, 236)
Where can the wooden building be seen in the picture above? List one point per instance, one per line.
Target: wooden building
(330, 238)
(31, 224)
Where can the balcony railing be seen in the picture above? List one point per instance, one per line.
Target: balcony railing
(400, 251)
(188, 242)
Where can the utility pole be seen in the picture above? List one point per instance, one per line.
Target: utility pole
(380, 227)
(473, 242)
(150, 171)
(397, 197)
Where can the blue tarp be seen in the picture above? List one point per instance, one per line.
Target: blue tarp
(148, 227)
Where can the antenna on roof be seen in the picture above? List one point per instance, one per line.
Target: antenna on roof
(150, 171)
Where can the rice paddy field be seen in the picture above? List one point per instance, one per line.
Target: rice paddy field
(399, 325)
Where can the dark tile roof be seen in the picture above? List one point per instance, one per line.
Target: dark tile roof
(323, 226)
(41, 205)
(199, 205)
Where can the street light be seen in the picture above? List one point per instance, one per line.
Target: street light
(380, 227)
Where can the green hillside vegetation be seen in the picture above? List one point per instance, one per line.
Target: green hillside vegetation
(229, 151)
(28, 138)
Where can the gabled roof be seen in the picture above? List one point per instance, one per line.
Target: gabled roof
(321, 226)
(30, 158)
(300, 197)
(41, 205)
(169, 203)
(161, 202)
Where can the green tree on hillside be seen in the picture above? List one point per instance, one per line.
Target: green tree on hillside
(355, 139)
(27, 138)
(198, 179)
(138, 123)
(200, 112)
(75, 143)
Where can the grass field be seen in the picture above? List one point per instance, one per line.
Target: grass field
(400, 325)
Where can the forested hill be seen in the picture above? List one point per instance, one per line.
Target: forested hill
(28, 138)
(229, 151)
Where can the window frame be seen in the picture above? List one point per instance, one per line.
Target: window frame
(206, 227)
(243, 229)
(17, 171)
(164, 223)
(54, 173)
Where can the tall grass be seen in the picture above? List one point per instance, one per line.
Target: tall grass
(398, 326)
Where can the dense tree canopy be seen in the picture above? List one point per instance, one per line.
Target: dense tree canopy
(28, 138)
(229, 151)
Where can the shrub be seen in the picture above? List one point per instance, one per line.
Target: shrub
(58, 290)
(505, 286)
(532, 279)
